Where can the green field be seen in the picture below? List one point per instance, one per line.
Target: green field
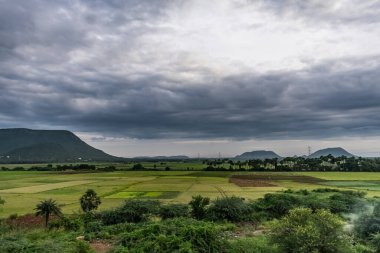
(22, 190)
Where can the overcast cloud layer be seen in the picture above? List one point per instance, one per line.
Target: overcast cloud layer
(154, 70)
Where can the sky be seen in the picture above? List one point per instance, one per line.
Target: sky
(175, 77)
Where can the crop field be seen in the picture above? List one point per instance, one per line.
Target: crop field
(22, 190)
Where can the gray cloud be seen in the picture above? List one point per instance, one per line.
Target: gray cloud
(98, 66)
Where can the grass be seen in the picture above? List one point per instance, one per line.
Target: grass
(22, 190)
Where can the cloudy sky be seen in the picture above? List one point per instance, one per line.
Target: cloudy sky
(161, 77)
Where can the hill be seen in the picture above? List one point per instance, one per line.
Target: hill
(258, 154)
(336, 152)
(26, 145)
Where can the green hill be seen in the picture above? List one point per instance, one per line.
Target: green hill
(26, 145)
(336, 152)
(258, 154)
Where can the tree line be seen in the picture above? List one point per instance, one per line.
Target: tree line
(323, 163)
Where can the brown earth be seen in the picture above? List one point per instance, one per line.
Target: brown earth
(251, 182)
(28, 221)
(101, 246)
(268, 180)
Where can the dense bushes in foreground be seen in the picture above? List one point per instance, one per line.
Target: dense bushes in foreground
(42, 241)
(175, 235)
(296, 222)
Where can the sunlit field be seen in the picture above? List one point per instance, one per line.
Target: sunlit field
(22, 190)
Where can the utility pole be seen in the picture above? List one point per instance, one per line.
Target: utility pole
(309, 150)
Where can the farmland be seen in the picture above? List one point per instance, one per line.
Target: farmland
(22, 190)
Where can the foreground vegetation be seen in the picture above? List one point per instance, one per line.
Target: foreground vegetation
(189, 211)
(22, 189)
(287, 222)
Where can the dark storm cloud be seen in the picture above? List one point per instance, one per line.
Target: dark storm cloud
(275, 105)
(57, 69)
(338, 12)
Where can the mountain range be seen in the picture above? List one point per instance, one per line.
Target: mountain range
(26, 145)
(264, 154)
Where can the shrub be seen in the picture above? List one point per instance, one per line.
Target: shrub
(131, 211)
(173, 211)
(230, 209)
(198, 206)
(41, 241)
(175, 235)
(276, 205)
(366, 225)
(252, 245)
(138, 166)
(305, 231)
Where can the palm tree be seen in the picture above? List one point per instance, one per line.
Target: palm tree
(89, 201)
(46, 208)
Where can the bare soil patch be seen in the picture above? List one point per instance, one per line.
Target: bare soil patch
(251, 182)
(101, 246)
(269, 180)
(28, 221)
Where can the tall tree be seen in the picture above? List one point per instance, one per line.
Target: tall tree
(46, 208)
(90, 201)
(2, 201)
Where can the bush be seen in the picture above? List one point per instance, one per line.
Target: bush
(173, 211)
(175, 235)
(198, 206)
(138, 166)
(366, 225)
(132, 211)
(41, 241)
(276, 205)
(252, 245)
(68, 224)
(305, 231)
(230, 209)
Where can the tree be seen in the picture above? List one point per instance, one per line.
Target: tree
(90, 201)
(2, 202)
(198, 206)
(229, 208)
(305, 231)
(47, 208)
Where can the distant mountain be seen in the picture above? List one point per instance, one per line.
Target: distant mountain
(258, 154)
(336, 152)
(26, 145)
(175, 157)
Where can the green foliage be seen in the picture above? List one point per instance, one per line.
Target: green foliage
(173, 211)
(131, 211)
(138, 166)
(360, 248)
(89, 201)
(305, 231)
(41, 241)
(276, 205)
(46, 208)
(375, 241)
(175, 235)
(253, 245)
(367, 226)
(71, 223)
(230, 209)
(198, 206)
(2, 201)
